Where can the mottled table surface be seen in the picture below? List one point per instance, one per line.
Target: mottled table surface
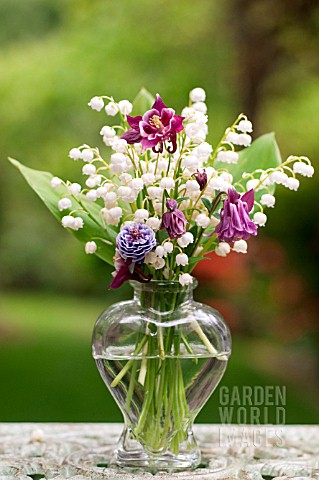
(82, 451)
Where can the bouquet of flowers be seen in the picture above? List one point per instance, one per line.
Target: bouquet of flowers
(162, 198)
(156, 199)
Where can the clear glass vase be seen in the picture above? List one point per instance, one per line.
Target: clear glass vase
(161, 356)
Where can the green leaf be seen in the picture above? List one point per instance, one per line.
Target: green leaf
(93, 227)
(194, 230)
(181, 199)
(263, 153)
(162, 235)
(207, 203)
(94, 210)
(142, 102)
(194, 260)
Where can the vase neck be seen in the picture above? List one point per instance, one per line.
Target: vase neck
(162, 297)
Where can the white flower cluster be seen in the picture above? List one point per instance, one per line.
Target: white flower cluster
(304, 169)
(196, 119)
(223, 248)
(75, 223)
(236, 136)
(133, 185)
(123, 106)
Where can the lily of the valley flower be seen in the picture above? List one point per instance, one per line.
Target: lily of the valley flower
(158, 125)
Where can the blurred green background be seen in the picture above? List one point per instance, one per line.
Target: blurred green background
(258, 57)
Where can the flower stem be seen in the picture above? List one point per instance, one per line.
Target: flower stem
(212, 350)
(131, 387)
(129, 364)
(214, 155)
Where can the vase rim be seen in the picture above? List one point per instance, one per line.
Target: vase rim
(172, 285)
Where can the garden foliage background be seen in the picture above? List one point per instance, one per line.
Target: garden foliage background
(258, 57)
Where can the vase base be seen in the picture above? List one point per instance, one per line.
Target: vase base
(153, 463)
(130, 454)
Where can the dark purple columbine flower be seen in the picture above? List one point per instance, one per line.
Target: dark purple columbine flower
(127, 271)
(235, 223)
(134, 241)
(173, 220)
(157, 125)
(201, 178)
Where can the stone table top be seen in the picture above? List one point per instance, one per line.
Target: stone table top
(81, 451)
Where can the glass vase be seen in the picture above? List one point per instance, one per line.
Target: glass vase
(161, 355)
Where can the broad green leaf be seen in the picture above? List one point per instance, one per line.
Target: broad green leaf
(207, 203)
(142, 102)
(93, 228)
(263, 153)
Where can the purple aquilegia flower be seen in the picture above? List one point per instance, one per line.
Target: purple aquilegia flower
(157, 125)
(132, 244)
(173, 220)
(127, 271)
(201, 178)
(235, 223)
(134, 241)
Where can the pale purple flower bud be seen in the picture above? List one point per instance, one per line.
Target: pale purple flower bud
(173, 221)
